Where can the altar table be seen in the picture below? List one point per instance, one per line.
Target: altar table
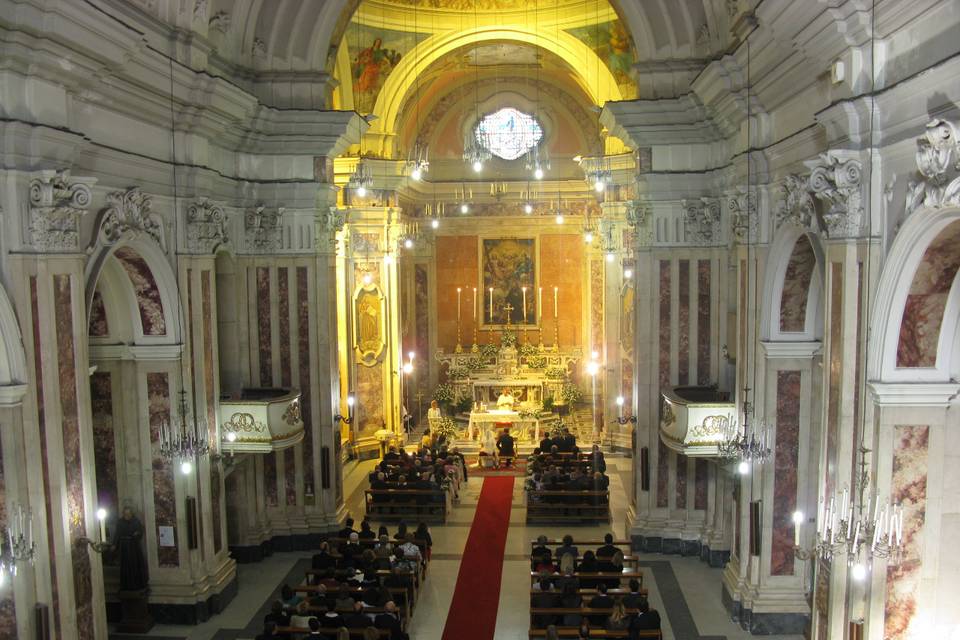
(520, 428)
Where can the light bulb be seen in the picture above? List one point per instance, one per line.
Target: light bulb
(408, 367)
(101, 514)
(538, 173)
(351, 400)
(231, 436)
(619, 401)
(628, 273)
(598, 186)
(528, 208)
(593, 368)
(559, 218)
(434, 223)
(477, 166)
(464, 208)
(361, 191)
(610, 256)
(416, 174)
(388, 259)
(743, 468)
(798, 517)
(408, 243)
(186, 467)
(367, 278)
(858, 572)
(588, 237)
(594, 355)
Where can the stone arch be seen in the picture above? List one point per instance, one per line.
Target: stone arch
(793, 291)
(916, 318)
(13, 362)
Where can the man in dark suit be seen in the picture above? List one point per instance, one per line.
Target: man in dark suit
(545, 445)
(541, 553)
(505, 447)
(608, 548)
(347, 529)
(358, 619)
(600, 601)
(544, 599)
(390, 619)
(646, 620)
(632, 599)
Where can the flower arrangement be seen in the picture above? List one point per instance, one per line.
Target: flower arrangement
(445, 427)
(530, 414)
(570, 393)
(537, 362)
(488, 351)
(444, 394)
(527, 350)
(555, 373)
(473, 364)
(508, 339)
(458, 373)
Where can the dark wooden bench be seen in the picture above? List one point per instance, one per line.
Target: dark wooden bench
(419, 504)
(403, 601)
(592, 592)
(574, 632)
(585, 543)
(626, 574)
(328, 633)
(568, 506)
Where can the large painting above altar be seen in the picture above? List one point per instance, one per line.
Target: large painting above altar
(509, 283)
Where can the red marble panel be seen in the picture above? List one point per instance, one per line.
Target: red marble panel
(104, 443)
(704, 304)
(457, 266)
(263, 327)
(145, 290)
(209, 392)
(665, 352)
(596, 304)
(681, 482)
(270, 478)
(683, 323)
(72, 459)
(786, 454)
(663, 473)
(371, 404)
(283, 301)
(164, 492)
(700, 484)
(927, 300)
(796, 286)
(98, 317)
(8, 612)
(908, 488)
(290, 474)
(44, 458)
(834, 368)
(306, 398)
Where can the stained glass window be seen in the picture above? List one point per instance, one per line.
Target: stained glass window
(508, 133)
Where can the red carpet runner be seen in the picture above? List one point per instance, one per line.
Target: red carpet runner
(473, 612)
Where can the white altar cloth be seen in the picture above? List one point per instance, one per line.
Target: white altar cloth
(520, 428)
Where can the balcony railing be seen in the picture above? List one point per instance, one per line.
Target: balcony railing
(261, 420)
(695, 420)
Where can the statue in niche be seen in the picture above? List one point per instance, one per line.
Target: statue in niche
(128, 542)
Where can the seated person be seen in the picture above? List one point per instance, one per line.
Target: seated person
(588, 564)
(619, 620)
(571, 600)
(323, 560)
(347, 529)
(391, 455)
(596, 459)
(600, 601)
(277, 615)
(608, 548)
(411, 550)
(358, 619)
(505, 445)
(390, 619)
(544, 599)
(344, 600)
(541, 555)
(314, 625)
(505, 400)
(366, 533)
(632, 599)
(567, 547)
(646, 620)
(350, 552)
(546, 444)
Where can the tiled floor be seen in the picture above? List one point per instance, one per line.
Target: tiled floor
(685, 590)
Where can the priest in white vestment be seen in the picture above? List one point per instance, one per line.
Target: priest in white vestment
(505, 401)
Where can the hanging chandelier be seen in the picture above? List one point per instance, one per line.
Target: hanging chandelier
(474, 153)
(362, 179)
(185, 440)
(537, 162)
(18, 544)
(419, 162)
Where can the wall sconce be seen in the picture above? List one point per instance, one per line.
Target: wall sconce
(101, 545)
(620, 419)
(351, 401)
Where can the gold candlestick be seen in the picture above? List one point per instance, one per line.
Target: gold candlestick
(556, 332)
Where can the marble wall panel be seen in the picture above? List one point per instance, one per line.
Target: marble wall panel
(145, 290)
(701, 481)
(98, 327)
(626, 384)
(270, 478)
(683, 323)
(663, 473)
(596, 303)
(926, 302)
(263, 327)
(742, 306)
(834, 369)
(8, 613)
(421, 318)
(370, 410)
(681, 482)
(209, 392)
(191, 294)
(290, 474)
(786, 452)
(796, 286)
(664, 301)
(306, 398)
(704, 306)
(164, 491)
(562, 264)
(908, 488)
(72, 459)
(104, 443)
(456, 266)
(283, 302)
(44, 456)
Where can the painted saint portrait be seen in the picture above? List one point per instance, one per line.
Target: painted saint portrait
(374, 54)
(612, 43)
(627, 302)
(509, 264)
(369, 336)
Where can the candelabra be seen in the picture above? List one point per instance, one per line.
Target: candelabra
(361, 180)
(621, 419)
(337, 418)
(100, 545)
(474, 153)
(187, 439)
(855, 525)
(748, 446)
(419, 162)
(19, 546)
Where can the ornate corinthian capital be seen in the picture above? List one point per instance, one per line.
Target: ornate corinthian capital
(206, 226)
(263, 229)
(129, 214)
(57, 201)
(797, 206)
(702, 220)
(938, 161)
(836, 179)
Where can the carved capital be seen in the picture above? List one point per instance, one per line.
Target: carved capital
(220, 21)
(263, 229)
(639, 217)
(938, 161)
(206, 226)
(129, 215)
(744, 216)
(701, 219)
(797, 205)
(836, 179)
(57, 201)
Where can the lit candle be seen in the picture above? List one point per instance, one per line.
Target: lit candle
(103, 528)
(796, 534)
(555, 290)
(474, 305)
(540, 301)
(524, 290)
(491, 305)
(458, 304)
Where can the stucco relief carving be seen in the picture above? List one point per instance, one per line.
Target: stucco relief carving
(938, 161)
(129, 214)
(206, 226)
(220, 21)
(263, 228)
(836, 179)
(797, 206)
(702, 220)
(639, 216)
(57, 201)
(744, 218)
(331, 222)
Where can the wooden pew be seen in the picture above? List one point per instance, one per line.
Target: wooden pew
(403, 602)
(583, 611)
(572, 506)
(619, 593)
(574, 632)
(626, 574)
(585, 543)
(383, 573)
(328, 633)
(408, 509)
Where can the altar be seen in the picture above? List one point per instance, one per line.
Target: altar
(522, 426)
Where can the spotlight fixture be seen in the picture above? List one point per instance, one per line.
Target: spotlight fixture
(388, 258)
(347, 419)
(231, 436)
(858, 572)
(416, 174)
(186, 467)
(408, 367)
(367, 279)
(743, 468)
(610, 256)
(538, 173)
(599, 186)
(361, 191)
(477, 166)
